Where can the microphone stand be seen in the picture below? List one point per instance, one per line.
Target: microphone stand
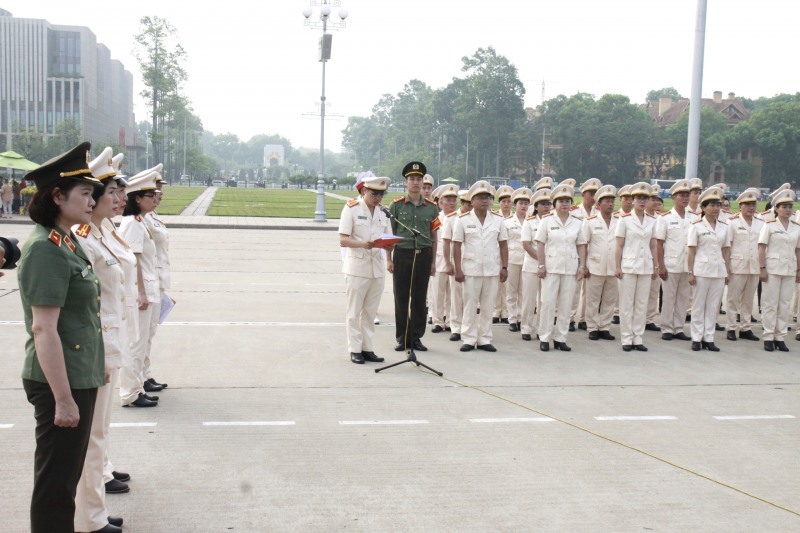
(411, 357)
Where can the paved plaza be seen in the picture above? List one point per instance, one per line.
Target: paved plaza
(268, 426)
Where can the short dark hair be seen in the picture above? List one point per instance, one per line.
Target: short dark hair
(43, 208)
(132, 207)
(100, 191)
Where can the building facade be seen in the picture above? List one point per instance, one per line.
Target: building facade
(51, 73)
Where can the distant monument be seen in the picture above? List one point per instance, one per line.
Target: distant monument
(273, 155)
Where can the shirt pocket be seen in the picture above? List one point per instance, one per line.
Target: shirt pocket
(110, 326)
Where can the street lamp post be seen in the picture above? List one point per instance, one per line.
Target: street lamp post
(324, 55)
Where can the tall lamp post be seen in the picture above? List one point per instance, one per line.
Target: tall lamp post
(324, 55)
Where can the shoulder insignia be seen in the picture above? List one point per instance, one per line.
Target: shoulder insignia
(722, 222)
(623, 215)
(577, 218)
(794, 222)
(138, 218)
(501, 215)
(530, 217)
(696, 221)
(69, 243)
(771, 221)
(83, 230)
(463, 214)
(664, 213)
(591, 217)
(352, 203)
(734, 217)
(436, 223)
(400, 199)
(574, 207)
(768, 211)
(452, 214)
(509, 216)
(726, 211)
(651, 216)
(428, 201)
(548, 215)
(55, 237)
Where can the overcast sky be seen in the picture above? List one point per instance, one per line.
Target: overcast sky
(253, 65)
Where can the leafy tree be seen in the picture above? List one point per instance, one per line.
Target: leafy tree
(671, 92)
(31, 145)
(775, 131)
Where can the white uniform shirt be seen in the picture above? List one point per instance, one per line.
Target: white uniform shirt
(674, 230)
(781, 244)
(529, 227)
(636, 255)
(447, 230)
(133, 230)
(441, 265)
(480, 249)
(561, 242)
(516, 254)
(708, 260)
(579, 211)
(601, 245)
(128, 261)
(109, 271)
(357, 222)
(744, 244)
(161, 238)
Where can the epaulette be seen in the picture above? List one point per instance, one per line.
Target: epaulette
(83, 230)
(651, 216)
(793, 222)
(495, 211)
(530, 217)
(768, 211)
(548, 215)
(451, 214)
(722, 222)
(400, 199)
(696, 221)
(577, 218)
(501, 215)
(626, 214)
(591, 217)
(352, 203)
(727, 211)
(734, 217)
(509, 216)
(617, 212)
(463, 214)
(664, 213)
(55, 237)
(428, 201)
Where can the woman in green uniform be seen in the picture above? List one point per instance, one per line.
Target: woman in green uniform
(64, 353)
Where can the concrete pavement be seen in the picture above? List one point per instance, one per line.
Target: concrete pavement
(267, 426)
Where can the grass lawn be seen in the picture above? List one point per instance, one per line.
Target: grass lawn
(176, 199)
(284, 203)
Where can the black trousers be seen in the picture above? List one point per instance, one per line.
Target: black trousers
(418, 287)
(58, 460)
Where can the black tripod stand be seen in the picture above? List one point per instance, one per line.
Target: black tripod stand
(411, 357)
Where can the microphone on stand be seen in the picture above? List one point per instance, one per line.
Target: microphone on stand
(386, 211)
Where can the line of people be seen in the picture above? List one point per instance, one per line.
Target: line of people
(91, 297)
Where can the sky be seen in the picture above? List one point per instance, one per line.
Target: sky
(253, 66)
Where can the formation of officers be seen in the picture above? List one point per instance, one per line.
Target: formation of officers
(543, 265)
(92, 295)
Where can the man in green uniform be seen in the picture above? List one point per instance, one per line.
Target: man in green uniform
(411, 263)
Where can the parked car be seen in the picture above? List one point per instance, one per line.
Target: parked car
(232, 182)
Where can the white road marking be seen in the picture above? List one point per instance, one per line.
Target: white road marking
(381, 422)
(133, 424)
(253, 423)
(6, 426)
(226, 324)
(636, 418)
(753, 417)
(493, 420)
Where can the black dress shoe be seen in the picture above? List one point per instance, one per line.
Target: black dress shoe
(606, 335)
(562, 346)
(466, 348)
(430, 320)
(487, 348)
(651, 327)
(455, 337)
(711, 347)
(797, 337)
(769, 346)
(731, 335)
(688, 317)
(121, 476)
(572, 326)
(583, 326)
(717, 327)
(594, 335)
(371, 357)
(149, 387)
(419, 346)
(141, 401)
(504, 321)
(696, 346)
(526, 337)
(544, 346)
(117, 487)
(437, 329)
(627, 347)
(150, 397)
(447, 329)
(496, 320)
(748, 335)
(514, 327)
(152, 381)
(115, 521)
(109, 528)
(399, 347)
(615, 320)
(703, 345)
(681, 336)
(666, 336)
(640, 347)
(781, 346)
(357, 358)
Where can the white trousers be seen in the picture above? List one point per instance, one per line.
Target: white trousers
(90, 496)
(557, 290)
(578, 309)
(602, 295)
(440, 297)
(634, 291)
(146, 372)
(456, 315)
(500, 306)
(363, 298)
(705, 307)
(478, 290)
(776, 300)
(529, 291)
(131, 377)
(652, 301)
(675, 300)
(513, 285)
(741, 291)
(7, 207)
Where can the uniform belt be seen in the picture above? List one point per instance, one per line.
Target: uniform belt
(412, 250)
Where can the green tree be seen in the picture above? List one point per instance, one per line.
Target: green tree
(775, 131)
(713, 132)
(671, 92)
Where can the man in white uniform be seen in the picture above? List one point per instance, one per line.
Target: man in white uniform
(445, 197)
(586, 209)
(456, 289)
(601, 284)
(743, 231)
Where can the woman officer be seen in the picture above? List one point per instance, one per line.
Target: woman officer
(529, 290)
(709, 261)
(516, 255)
(778, 257)
(64, 360)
